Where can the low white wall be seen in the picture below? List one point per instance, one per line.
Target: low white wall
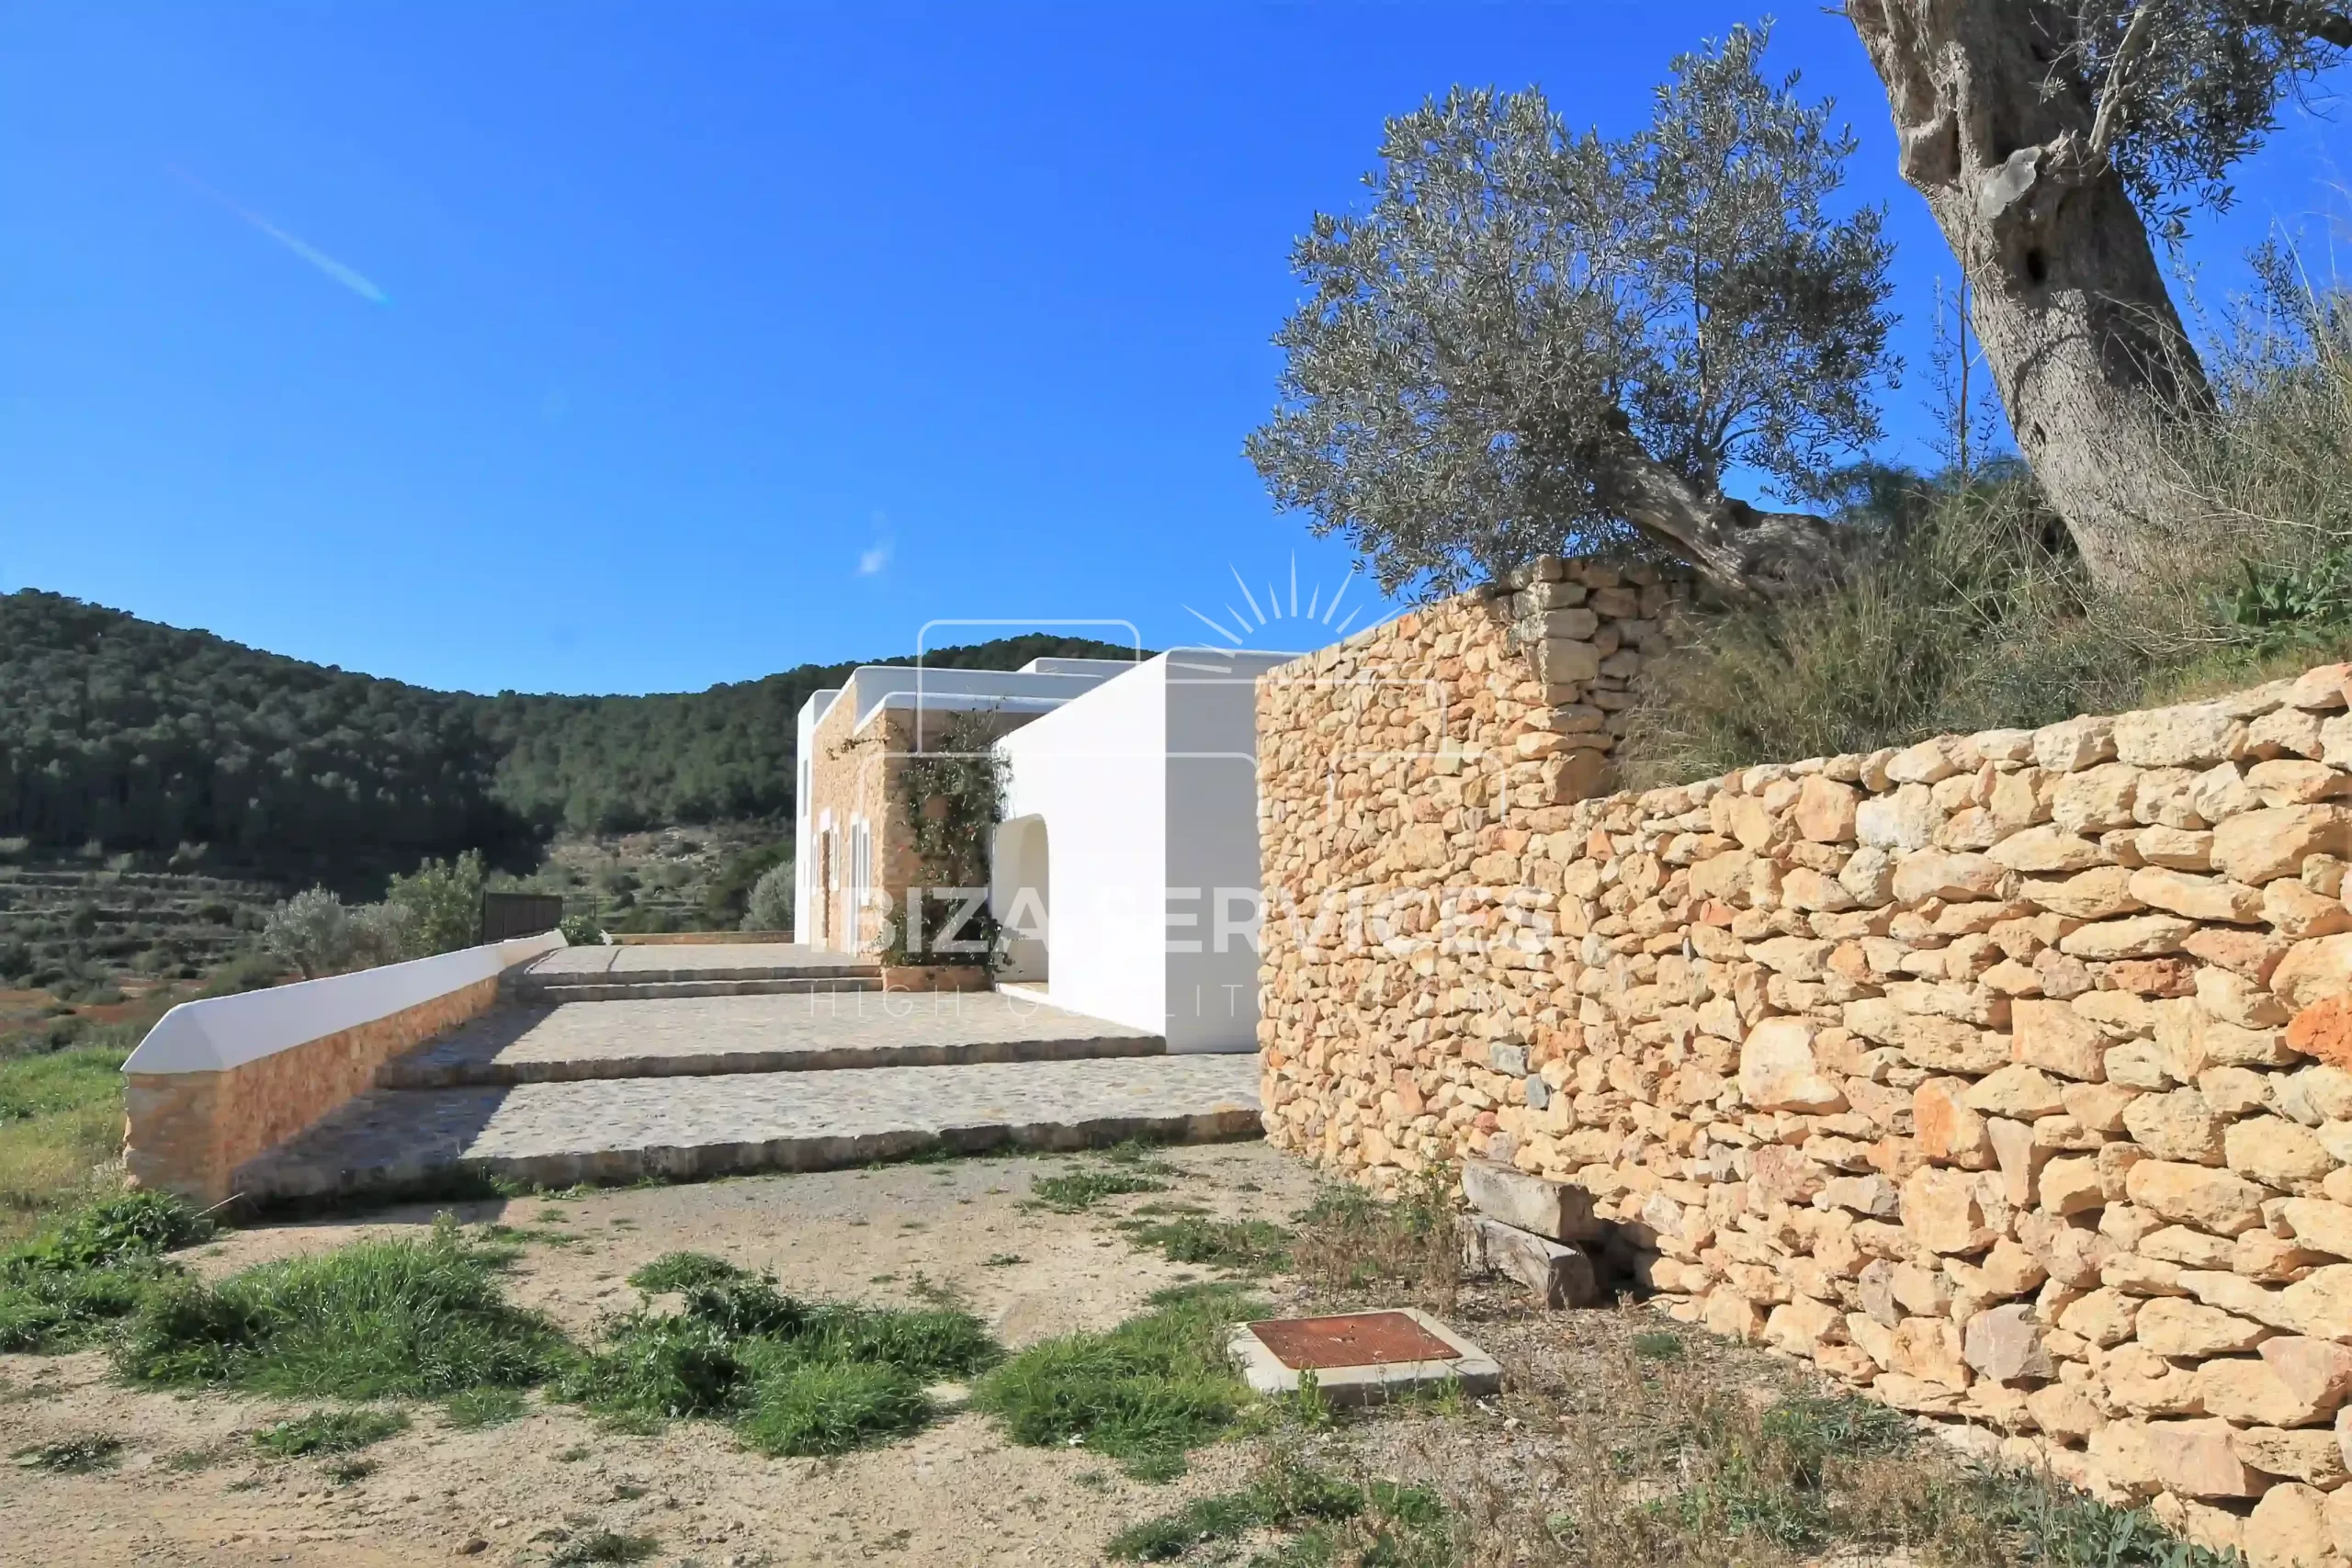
(219, 1032)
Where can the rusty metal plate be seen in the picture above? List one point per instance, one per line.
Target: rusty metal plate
(1353, 1339)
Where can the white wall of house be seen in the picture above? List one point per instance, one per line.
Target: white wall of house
(1092, 776)
(1211, 846)
(804, 828)
(1146, 791)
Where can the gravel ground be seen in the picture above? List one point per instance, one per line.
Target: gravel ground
(191, 1488)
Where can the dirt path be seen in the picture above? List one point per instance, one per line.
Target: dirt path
(190, 1488)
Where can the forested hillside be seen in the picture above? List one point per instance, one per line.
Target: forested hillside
(145, 738)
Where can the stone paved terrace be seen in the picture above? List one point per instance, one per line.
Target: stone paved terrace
(621, 1129)
(804, 1031)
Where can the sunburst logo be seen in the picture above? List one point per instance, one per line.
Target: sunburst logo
(1278, 607)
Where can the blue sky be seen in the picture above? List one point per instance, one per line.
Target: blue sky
(603, 347)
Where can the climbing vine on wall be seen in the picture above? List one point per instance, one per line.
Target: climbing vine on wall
(952, 787)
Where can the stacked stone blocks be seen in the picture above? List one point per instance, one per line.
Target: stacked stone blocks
(2004, 1076)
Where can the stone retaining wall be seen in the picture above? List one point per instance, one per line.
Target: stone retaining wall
(188, 1132)
(221, 1080)
(2001, 1075)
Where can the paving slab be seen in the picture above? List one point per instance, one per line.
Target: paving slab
(808, 1032)
(608, 1129)
(710, 961)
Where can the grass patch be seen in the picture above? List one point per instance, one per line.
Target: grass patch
(471, 1409)
(1143, 1394)
(406, 1318)
(830, 1407)
(794, 1377)
(329, 1432)
(1329, 1520)
(1657, 1345)
(73, 1281)
(1080, 1189)
(682, 1271)
(74, 1456)
(1245, 1247)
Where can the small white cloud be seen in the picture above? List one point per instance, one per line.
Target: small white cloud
(873, 560)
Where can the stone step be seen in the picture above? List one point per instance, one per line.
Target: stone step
(770, 1032)
(612, 1130)
(599, 989)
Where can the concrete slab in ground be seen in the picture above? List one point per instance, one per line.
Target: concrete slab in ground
(1361, 1358)
(811, 1032)
(622, 1129)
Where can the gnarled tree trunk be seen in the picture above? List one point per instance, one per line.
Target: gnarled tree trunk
(1747, 553)
(2080, 330)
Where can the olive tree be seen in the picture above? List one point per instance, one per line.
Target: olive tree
(1534, 340)
(2048, 137)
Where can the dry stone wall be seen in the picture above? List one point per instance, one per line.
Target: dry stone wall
(2004, 1076)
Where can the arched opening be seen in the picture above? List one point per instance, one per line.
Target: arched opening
(1020, 896)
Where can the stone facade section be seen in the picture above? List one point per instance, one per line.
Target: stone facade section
(2007, 1076)
(855, 781)
(189, 1133)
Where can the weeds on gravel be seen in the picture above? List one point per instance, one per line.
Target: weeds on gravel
(1348, 1239)
(1329, 1520)
(1142, 1393)
(471, 1409)
(1079, 1190)
(607, 1545)
(329, 1432)
(72, 1281)
(794, 1376)
(408, 1318)
(679, 1271)
(1675, 1464)
(74, 1456)
(1244, 1246)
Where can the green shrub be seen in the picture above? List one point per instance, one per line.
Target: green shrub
(1142, 1394)
(329, 1432)
(470, 1409)
(69, 1282)
(677, 1271)
(768, 907)
(443, 903)
(829, 1407)
(392, 1319)
(796, 1377)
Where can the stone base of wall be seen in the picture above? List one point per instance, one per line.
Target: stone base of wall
(187, 1132)
(2002, 1075)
